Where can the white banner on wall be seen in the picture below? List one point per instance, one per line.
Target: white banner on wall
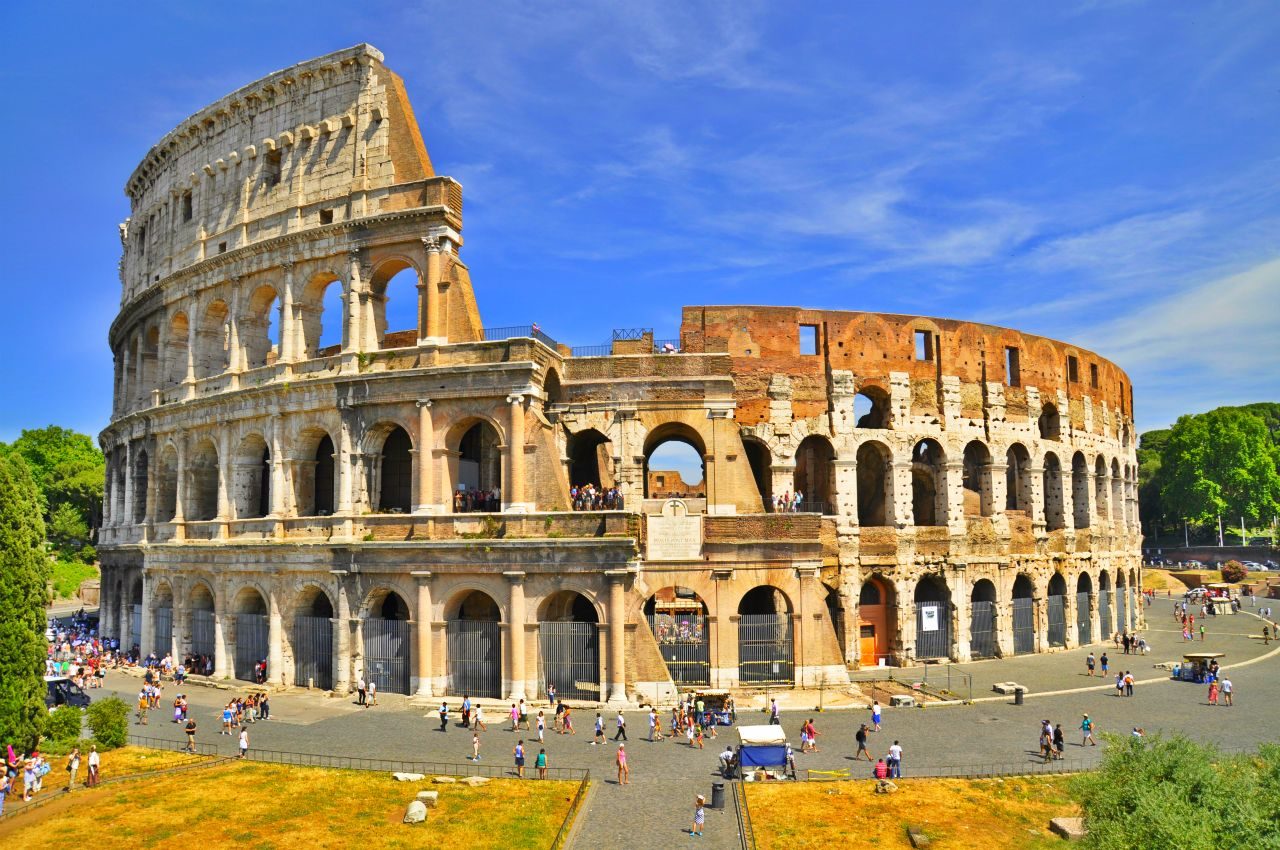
(929, 619)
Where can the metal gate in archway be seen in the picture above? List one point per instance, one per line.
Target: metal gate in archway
(982, 629)
(203, 633)
(164, 632)
(135, 626)
(1133, 606)
(1122, 613)
(386, 654)
(933, 630)
(251, 643)
(1057, 611)
(765, 651)
(1024, 625)
(1084, 628)
(475, 657)
(313, 652)
(1104, 614)
(569, 658)
(685, 645)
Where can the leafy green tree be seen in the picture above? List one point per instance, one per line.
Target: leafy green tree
(24, 572)
(1221, 462)
(1233, 571)
(70, 471)
(1173, 792)
(1151, 448)
(109, 720)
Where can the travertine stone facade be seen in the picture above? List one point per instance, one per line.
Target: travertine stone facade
(289, 479)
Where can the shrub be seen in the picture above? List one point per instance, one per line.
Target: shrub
(109, 720)
(1233, 571)
(64, 725)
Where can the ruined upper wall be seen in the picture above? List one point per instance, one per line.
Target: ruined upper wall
(315, 144)
(766, 341)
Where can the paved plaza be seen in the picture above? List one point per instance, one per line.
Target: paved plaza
(666, 776)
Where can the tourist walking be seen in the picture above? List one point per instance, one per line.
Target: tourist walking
(190, 730)
(774, 719)
(373, 693)
(466, 710)
(1202, 632)
(624, 771)
(1119, 684)
(542, 726)
(861, 737)
(655, 734)
(518, 753)
(1226, 691)
(73, 767)
(895, 761)
(1213, 693)
(1128, 683)
(598, 737)
(621, 733)
(699, 815)
(524, 716)
(478, 723)
(362, 692)
(1089, 662)
(244, 742)
(444, 716)
(1086, 728)
(541, 764)
(1059, 742)
(475, 747)
(875, 714)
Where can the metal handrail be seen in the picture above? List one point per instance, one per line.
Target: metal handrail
(562, 835)
(746, 831)
(631, 333)
(518, 332)
(492, 771)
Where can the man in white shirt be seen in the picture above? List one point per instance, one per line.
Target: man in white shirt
(895, 761)
(1226, 691)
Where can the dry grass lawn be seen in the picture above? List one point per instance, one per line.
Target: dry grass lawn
(128, 761)
(981, 814)
(244, 804)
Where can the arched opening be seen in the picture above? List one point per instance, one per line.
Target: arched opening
(1054, 515)
(875, 604)
(313, 639)
(176, 350)
(977, 480)
(590, 461)
(395, 474)
(815, 476)
(1049, 423)
(760, 459)
(386, 642)
(162, 619)
(252, 482)
(678, 619)
(167, 485)
(1117, 494)
(322, 309)
(874, 483)
(1122, 603)
(1105, 625)
(933, 618)
(569, 646)
(928, 495)
(202, 492)
(1024, 615)
(314, 482)
(214, 341)
(1079, 491)
(1084, 621)
(141, 468)
(765, 645)
(1101, 492)
(326, 482)
(251, 634)
(871, 408)
(260, 328)
(552, 389)
(203, 644)
(982, 619)
(394, 295)
(473, 638)
(135, 616)
(1057, 610)
(1017, 480)
(673, 463)
(479, 476)
(152, 373)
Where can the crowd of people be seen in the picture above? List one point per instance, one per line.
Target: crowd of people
(788, 503)
(589, 497)
(477, 501)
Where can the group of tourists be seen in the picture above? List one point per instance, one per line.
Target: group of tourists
(469, 501)
(589, 497)
(29, 772)
(788, 502)
(1132, 644)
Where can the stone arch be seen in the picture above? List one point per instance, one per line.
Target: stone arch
(590, 456)
(176, 350)
(249, 599)
(1101, 491)
(1024, 614)
(315, 480)
(138, 480)
(260, 327)
(476, 459)
(569, 605)
(1117, 492)
(314, 600)
(656, 484)
(1050, 423)
(202, 491)
(323, 311)
(385, 603)
(1054, 513)
(871, 408)
(1018, 479)
(311, 637)
(251, 478)
(1080, 491)
(766, 649)
(202, 610)
(167, 484)
(760, 459)
(978, 499)
(388, 452)
(551, 388)
(473, 643)
(395, 281)
(677, 617)
(983, 603)
(876, 607)
(569, 644)
(928, 483)
(251, 633)
(815, 474)
(933, 617)
(213, 340)
(875, 483)
(385, 637)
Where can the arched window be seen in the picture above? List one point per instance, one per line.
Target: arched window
(325, 480)
(167, 485)
(394, 289)
(1080, 491)
(815, 476)
(928, 496)
(323, 311)
(871, 408)
(760, 459)
(874, 484)
(478, 484)
(977, 480)
(213, 355)
(140, 470)
(590, 460)
(1054, 515)
(202, 494)
(252, 482)
(1049, 424)
(260, 328)
(176, 350)
(1017, 479)
(395, 494)
(673, 463)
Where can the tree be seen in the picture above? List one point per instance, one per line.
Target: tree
(109, 720)
(68, 532)
(1151, 448)
(69, 470)
(1233, 571)
(24, 573)
(1223, 462)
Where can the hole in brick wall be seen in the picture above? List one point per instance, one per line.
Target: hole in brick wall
(187, 211)
(1093, 375)
(326, 216)
(808, 339)
(222, 247)
(924, 345)
(272, 166)
(1012, 369)
(1073, 369)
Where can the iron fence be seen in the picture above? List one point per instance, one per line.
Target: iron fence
(1122, 614)
(592, 350)
(313, 651)
(252, 640)
(765, 649)
(579, 796)
(164, 631)
(1057, 624)
(933, 629)
(203, 632)
(569, 658)
(746, 831)
(631, 333)
(171, 745)
(437, 768)
(683, 640)
(1024, 625)
(519, 332)
(1084, 625)
(135, 626)
(1104, 613)
(475, 657)
(386, 654)
(982, 629)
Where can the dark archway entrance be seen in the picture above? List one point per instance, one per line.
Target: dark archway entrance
(252, 633)
(569, 646)
(590, 461)
(473, 639)
(765, 645)
(395, 492)
(313, 641)
(761, 462)
(874, 604)
(386, 643)
(479, 482)
(1057, 610)
(678, 618)
(982, 620)
(1084, 623)
(1024, 616)
(933, 618)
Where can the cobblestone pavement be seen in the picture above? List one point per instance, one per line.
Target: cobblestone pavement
(657, 805)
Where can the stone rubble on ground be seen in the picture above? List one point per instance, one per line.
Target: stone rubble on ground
(408, 777)
(444, 780)
(1072, 829)
(416, 813)
(430, 799)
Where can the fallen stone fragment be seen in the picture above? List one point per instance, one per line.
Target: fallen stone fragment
(444, 780)
(430, 799)
(408, 777)
(416, 813)
(1072, 829)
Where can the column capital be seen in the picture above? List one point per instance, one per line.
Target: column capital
(286, 266)
(515, 398)
(423, 576)
(432, 244)
(514, 576)
(424, 403)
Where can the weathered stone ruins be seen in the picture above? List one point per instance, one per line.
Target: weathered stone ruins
(290, 479)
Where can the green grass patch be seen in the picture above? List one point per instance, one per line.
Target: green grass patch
(67, 576)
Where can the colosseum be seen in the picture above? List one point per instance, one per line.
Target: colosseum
(291, 480)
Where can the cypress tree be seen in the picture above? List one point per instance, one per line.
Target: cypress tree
(24, 575)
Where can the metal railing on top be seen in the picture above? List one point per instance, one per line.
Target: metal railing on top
(491, 771)
(566, 826)
(631, 333)
(517, 332)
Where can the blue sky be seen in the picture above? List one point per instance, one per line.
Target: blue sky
(1101, 172)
